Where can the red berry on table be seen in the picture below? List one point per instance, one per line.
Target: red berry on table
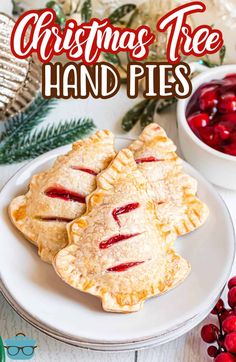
(226, 314)
(232, 281)
(212, 351)
(219, 307)
(198, 120)
(208, 99)
(230, 342)
(224, 357)
(209, 333)
(232, 297)
(227, 103)
(229, 324)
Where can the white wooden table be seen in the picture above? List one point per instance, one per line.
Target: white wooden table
(106, 114)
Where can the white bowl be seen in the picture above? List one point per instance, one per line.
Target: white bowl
(217, 167)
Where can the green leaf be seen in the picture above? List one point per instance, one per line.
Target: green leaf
(86, 11)
(222, 54)
(112, 58)
(45, 139)
(22, 123)
(120, 12)
(17, 9)
(60, 15)
(163, 104)
(133, 115)
(148, 113)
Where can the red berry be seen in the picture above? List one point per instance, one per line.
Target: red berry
(224, 357)
(226, 314)
(209, 333)
(219, 307)
(230, 342)
(232, 297)
(208, 136)
(227, 103)
(198, 120)
(208, 98)
(212, 351)
(232, 281)
(229, 324)
(222, 131)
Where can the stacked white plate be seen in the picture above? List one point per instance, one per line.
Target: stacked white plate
(38, 295)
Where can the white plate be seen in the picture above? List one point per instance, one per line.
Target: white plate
(42, 298)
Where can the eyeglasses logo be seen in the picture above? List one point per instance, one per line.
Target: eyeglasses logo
(19, 347)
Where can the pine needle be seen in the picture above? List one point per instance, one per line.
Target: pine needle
(19, 125)
(46, 139)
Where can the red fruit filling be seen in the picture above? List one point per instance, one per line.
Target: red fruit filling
(208, 98)
(115, 239)
(64, 194)
(211, 114)
(124, 266)
(83, 169)
(227, 103)
(123, 210)
(147, 159)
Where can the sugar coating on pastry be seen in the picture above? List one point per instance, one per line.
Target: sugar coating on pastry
(177, 206)
(117, 250)
(57, 196)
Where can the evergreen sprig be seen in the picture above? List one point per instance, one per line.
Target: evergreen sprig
(86, 11)
(20, 140)
(121, 12)
(22, 123)
(45, 139)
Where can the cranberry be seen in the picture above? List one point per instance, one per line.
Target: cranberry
(222, 131)
(227, 103)
(212, 351)
(209, 333)
(211, 114)
(198, 120)
(219, 307)
(232, 297)
(208, 99)
(224, 357)
(230, 342)
(226, 314)
(232, 281)
(230, 149)
(209, 137)
(229, 324)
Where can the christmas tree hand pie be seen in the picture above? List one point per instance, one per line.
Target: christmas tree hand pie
(177, 206)
(117, 250)
(57, 196)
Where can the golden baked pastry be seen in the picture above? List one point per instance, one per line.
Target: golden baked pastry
(177, 207)
(57, 196)
(117, 250)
